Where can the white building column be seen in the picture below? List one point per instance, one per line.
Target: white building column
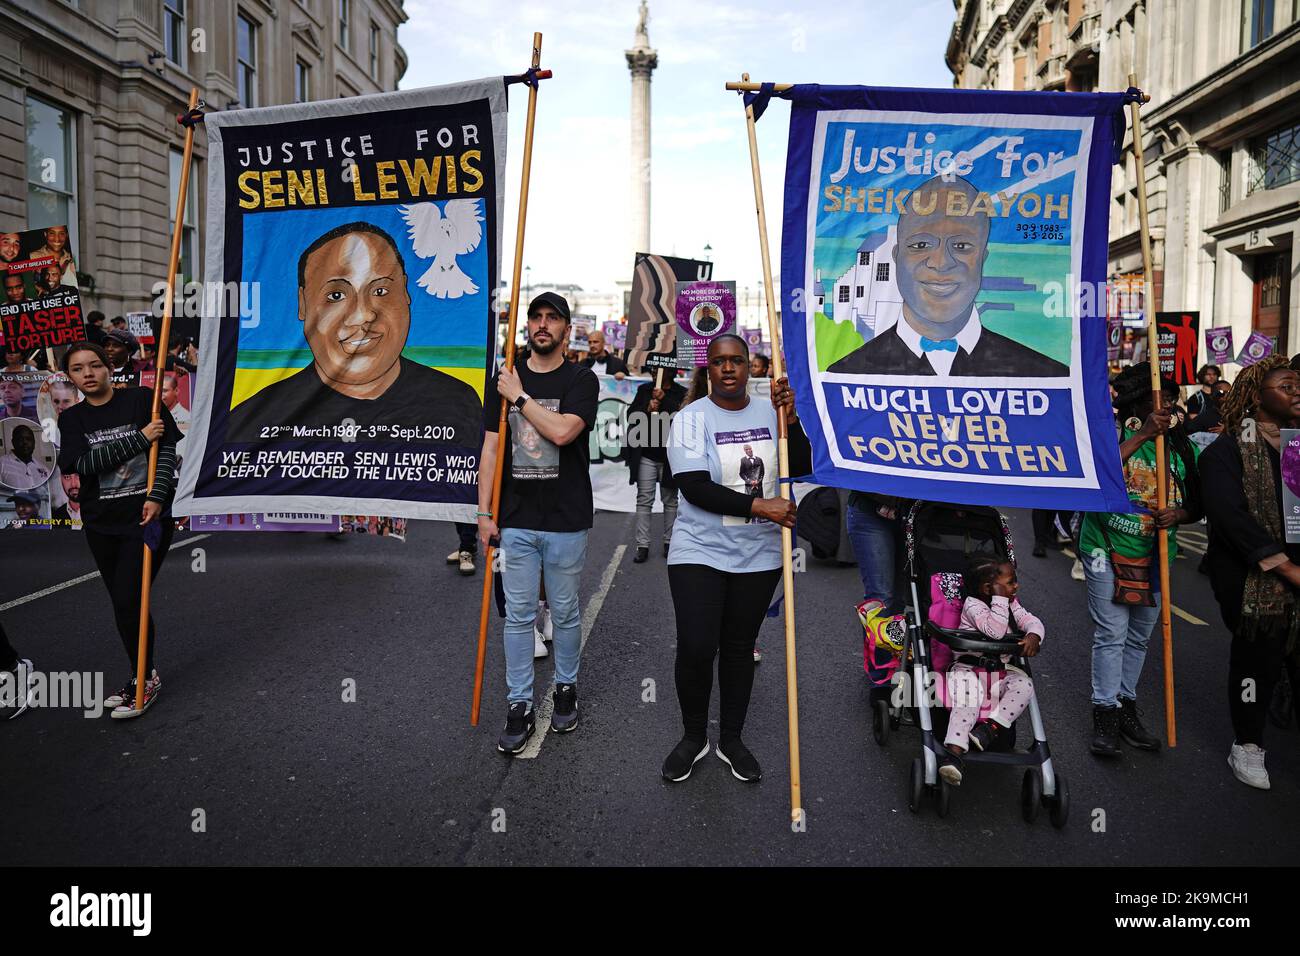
(641, 62)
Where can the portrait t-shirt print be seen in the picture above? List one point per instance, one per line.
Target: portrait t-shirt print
(748, 463)
(533, 457)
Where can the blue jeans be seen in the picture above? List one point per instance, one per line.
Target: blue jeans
(875, 545)
(527, 556)
(1119, 644)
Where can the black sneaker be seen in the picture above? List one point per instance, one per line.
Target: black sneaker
(521, 721)
(641, 555)
(679, 764)
(1105, 731)
(1039, 550)
(1131, 730)
(742, 763)
(981, 736)
(565, 716)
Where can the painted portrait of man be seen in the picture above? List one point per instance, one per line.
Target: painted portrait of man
(355, 311)
(939, 261)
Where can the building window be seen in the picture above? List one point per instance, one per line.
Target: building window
(861, 290)
(844, 293)
(345, 34)
(882, 271)
(1275, 159)
(246, 61)
(864, 258)
(1225, 181)
(1256, 22)
(51, 175)
(301, 82)
(189, 261)
(174, 31)
(1270, 280)
(374, 52)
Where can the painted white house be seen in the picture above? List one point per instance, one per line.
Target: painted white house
(869, 283)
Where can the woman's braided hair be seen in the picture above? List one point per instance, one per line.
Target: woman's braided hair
(1244, 397)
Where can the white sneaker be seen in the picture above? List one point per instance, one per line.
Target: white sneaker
(539, 648)
(1247, 763)
(127, 693)
(466, 559)
(454, 557)
(1076, 571)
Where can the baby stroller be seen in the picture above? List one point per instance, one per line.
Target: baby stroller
(941, 539)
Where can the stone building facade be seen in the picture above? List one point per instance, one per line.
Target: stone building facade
(89, 95)
(1221, 144)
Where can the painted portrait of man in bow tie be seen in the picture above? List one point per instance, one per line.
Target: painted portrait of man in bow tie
(939, 261)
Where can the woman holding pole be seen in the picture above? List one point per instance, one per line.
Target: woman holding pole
(1118, 553)
(1254, 571)
(725, 557)
(106, 440)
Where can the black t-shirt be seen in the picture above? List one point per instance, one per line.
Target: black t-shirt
(429, 405)
(546, 487)
(111, 502)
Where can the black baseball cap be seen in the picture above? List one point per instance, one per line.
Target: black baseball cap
(556, 301)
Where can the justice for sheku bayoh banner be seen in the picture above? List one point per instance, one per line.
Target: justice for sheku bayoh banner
(944, 266)
(369, 229)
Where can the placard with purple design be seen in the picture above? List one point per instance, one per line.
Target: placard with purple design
(1218, 345)
(705, 310)
(1256, 348)
(1291, 484)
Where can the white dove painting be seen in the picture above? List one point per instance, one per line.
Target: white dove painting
(443, 234)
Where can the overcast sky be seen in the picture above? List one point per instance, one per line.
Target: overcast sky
(578, 229)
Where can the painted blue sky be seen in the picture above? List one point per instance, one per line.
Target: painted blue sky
(702, 193)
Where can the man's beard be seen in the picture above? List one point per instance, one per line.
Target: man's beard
(546, 349)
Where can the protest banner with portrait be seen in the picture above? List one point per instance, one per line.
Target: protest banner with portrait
(41, 308)
(958, 352)
(371, 227)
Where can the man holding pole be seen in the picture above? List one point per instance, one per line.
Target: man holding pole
(545, 509)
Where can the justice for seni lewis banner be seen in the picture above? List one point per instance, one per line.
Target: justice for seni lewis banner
(937, 248)
(369, 228)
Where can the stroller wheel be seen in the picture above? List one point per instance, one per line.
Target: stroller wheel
(1058, 805)
(942, 797)
(1031, 795)
(880, 723)
(916, 785)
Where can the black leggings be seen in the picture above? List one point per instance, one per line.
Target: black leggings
(120, 561)
(1261, 659)
(717, 611)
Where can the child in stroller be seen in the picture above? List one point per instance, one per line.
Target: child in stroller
(943, 541)
(991, 606)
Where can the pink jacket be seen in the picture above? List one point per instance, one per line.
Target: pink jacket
(992, 619)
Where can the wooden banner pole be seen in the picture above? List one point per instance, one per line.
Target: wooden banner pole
(511, 327)
(1157, 400)
(783, 472)
(160, 364)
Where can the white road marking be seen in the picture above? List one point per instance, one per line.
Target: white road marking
(547, 706)
(55, 589)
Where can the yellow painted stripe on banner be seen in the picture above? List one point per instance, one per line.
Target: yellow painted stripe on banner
(250, 381)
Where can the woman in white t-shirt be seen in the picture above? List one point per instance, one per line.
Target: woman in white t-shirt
(725, 557)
